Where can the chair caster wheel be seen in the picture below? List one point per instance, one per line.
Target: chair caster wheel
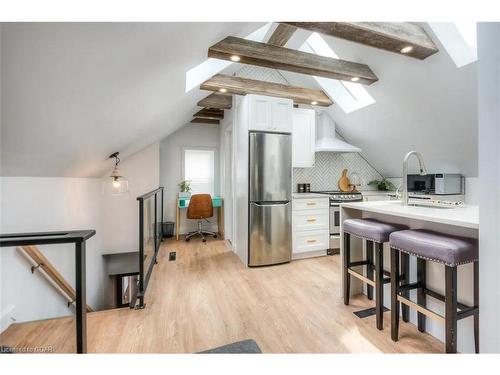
(187, 239)
(215, 236)
(204, 240)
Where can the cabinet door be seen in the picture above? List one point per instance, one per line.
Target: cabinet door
(304, 138)
(260, 113)
(281, 113)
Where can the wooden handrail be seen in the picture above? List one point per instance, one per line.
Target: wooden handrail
(51, 273)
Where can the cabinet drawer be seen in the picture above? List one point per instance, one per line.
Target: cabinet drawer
(310, 219)
(311, 204)
(310, 241)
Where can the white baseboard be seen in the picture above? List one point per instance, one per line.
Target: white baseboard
(309, 254)
(7, 317)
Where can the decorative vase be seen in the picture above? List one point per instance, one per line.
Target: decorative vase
(184, 194)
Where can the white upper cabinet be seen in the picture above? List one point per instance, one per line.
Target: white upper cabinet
(281, 112)
(304, 137)
(270, 114)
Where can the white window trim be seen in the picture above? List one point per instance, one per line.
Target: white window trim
(216, 163)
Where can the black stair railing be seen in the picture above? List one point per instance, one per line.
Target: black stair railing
(150, 236)
(79, 238)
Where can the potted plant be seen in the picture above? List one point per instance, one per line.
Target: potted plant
(185, 189)
(384, 185)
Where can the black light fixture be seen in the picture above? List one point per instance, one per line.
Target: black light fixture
(119, 184)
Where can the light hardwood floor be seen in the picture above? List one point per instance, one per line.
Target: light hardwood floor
(207, 298)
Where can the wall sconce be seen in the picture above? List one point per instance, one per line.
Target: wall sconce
(119, 185)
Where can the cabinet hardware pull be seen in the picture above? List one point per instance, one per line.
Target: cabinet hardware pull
(311, 241)
(311, 220)
(311, 203)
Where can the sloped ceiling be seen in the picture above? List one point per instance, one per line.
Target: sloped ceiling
(429, 106)
(73, 93)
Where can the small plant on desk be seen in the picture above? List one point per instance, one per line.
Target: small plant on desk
(185, 189)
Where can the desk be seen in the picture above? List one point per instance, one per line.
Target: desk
(217, 203)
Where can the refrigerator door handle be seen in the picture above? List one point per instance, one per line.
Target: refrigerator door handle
(270, 204)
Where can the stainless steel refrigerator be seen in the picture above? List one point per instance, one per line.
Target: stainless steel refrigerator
(270, 190)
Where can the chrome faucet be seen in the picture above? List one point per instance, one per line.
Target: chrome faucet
(423, 171)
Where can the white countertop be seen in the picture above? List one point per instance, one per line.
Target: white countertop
(463, 216)
(309, 195)
(376, 192)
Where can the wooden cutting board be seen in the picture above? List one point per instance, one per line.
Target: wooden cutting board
(344, 183)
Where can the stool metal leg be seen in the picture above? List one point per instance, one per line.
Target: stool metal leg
(379, 285)
(347, 260)
(394, 294)
(369, 269)
(405, 270)
(476, 304)
(421, 297)
(451, 309)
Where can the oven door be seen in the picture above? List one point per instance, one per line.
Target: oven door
(334, 219)
(334, 228)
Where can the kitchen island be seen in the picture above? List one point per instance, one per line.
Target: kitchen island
(460, 220)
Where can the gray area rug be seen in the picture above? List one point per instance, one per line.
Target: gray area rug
(240, 347)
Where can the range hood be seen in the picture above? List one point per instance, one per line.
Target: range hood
(326, 138)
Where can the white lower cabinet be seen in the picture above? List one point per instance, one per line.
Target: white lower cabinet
(313, 240)
(310, 226)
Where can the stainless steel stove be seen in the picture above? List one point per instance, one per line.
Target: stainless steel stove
(341, 196)
(336, 198)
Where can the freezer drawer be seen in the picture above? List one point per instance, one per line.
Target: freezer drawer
(270, 159)
(270, 234)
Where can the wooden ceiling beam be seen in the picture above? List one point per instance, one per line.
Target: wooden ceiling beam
(217, 100)
(281, 34)
(267, 55)
(204, 121)
(243, 86)
(210, 113)
(390, 36)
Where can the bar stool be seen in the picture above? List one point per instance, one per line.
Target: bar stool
(451, 251)
(372, 231)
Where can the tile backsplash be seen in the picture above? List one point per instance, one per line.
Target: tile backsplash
(328, 168)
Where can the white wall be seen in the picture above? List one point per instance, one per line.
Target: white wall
(120, 212)
(48, 204)
(194, 135)
(489, 174)
(61, 203)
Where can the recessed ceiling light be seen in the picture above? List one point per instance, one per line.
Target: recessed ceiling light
(355, 79)
(406, 49)
(222, 90)
(235, 58)
(314, 103)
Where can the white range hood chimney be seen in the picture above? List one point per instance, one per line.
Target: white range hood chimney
(326, 139)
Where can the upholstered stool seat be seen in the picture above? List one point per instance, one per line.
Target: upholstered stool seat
(371, 230)
(449, 250)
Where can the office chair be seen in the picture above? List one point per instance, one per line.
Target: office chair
(200, 208)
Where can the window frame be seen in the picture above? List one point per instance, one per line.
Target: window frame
(201, 148)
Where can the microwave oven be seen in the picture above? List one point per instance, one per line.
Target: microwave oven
(437, 183)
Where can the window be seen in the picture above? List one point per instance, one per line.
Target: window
(349, 96)
(199, 168)
(210, 67)
(459, 39)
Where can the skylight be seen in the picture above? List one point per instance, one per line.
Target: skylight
(459, 39)
(200, 73)
(349, 96)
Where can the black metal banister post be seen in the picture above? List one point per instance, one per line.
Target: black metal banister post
(81, 297)
(78, 237)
